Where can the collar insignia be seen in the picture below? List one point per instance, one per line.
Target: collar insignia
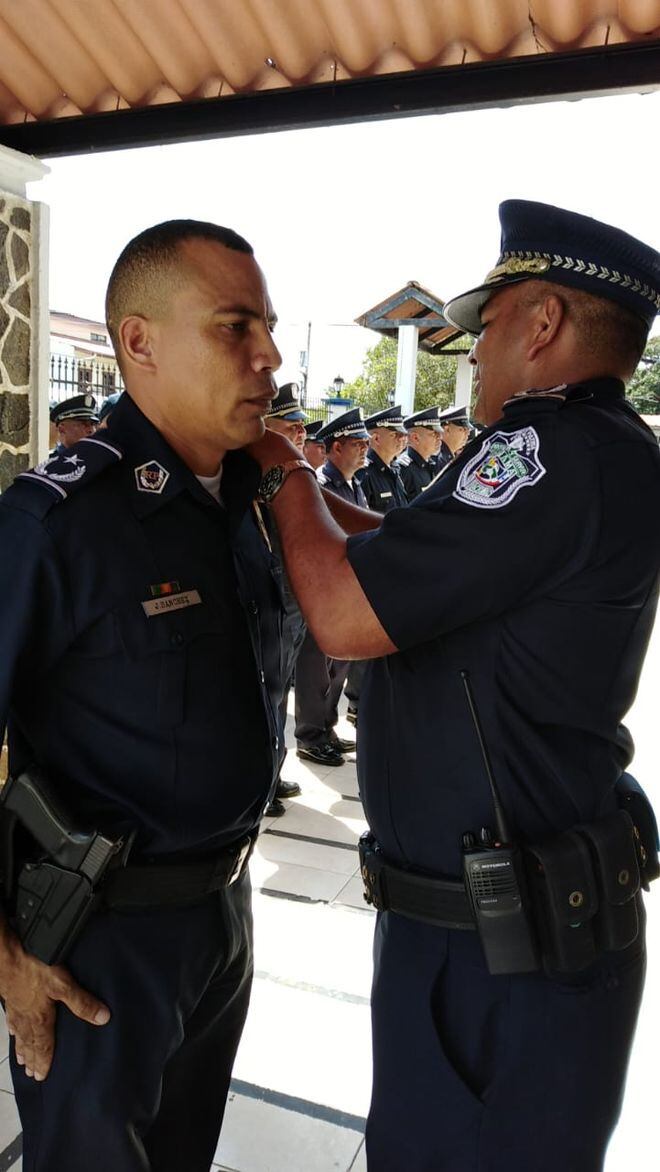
(151, 477)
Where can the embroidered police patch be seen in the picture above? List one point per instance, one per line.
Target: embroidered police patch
(506, 462)
(151, 477)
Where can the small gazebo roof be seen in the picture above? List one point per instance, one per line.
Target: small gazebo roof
(412, 306)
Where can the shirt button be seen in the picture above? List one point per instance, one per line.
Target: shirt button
(262, 677)
(176, 639)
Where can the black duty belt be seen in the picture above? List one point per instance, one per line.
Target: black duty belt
(175, 884)
(442, 902)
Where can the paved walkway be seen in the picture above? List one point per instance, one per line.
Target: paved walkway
(302, 1077)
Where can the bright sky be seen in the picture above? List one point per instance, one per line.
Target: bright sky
(342, 217)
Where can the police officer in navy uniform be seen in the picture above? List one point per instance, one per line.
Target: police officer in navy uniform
(286, 416)
(381, 480)
(141, 672)
(529, 571)
(455, 435)
(417, 463)
(382, 485)
(320, 678)
(74, 419)
(313, 447)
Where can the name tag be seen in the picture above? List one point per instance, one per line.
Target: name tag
(171, 602)
(385, 494)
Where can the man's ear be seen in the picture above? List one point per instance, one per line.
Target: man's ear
(546, 321)
(137, 342)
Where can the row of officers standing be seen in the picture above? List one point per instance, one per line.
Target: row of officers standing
(381, 462)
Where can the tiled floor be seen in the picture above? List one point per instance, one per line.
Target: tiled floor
(302, 1077)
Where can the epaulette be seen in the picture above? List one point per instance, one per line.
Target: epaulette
(61, 475)
(550, 398)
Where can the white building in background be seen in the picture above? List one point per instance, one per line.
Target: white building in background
(81, 357)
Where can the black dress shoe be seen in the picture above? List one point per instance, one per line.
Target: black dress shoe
(287, 789)
(324, 754)
(351, 715)
(275, 809)
(341, 744)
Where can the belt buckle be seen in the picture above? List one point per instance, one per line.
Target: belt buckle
(242, 855)
(371, 864)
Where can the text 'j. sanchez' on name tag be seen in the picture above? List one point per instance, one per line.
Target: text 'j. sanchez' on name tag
(169, 602)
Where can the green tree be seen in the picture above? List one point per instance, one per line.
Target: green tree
(644, 387)
(374, 388)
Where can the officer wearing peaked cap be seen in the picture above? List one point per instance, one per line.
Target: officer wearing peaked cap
(286, 416)
(455, 435)
(320, 678)
(74, 419)
(313, 447)
(548, 522)
(381, 480)
(416, 465)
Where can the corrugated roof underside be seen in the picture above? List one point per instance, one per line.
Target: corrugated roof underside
(62, 58)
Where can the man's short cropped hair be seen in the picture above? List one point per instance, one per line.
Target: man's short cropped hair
(139, 278)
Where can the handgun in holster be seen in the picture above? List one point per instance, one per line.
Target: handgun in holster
(52, 870)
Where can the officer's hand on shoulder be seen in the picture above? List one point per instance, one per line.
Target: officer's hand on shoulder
(30, 991)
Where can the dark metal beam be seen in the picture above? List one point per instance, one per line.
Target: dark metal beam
(547, 76)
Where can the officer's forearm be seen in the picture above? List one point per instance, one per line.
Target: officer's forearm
(351, 518)
(334, 605)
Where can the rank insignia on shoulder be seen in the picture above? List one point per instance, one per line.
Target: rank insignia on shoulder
(151, 477)
(66, 469)
(505, 463)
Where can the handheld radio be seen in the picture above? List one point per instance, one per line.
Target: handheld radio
(494, 881)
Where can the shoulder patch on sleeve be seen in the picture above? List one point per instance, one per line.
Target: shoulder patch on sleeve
(505, 463)
(64, 473)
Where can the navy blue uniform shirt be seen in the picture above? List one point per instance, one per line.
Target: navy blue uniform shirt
(331, 478)
(532, 562)
(147, 709)
(416, 472)
(382, 484)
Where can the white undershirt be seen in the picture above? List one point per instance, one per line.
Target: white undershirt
(212, 484)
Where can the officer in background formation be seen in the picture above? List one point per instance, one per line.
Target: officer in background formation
(286, 416)
(319, 677)
(417, 464)
(313, 447)
(74, 419)
(381, 480)
(107, 407)
(139, 628)
(455, 434)
(383, 488)
(501, 1042)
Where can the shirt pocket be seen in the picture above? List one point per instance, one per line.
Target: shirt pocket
(164, 649)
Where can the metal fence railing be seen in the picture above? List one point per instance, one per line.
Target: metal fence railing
(81, 376)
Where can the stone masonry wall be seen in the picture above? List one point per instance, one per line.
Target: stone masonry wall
(16, 332)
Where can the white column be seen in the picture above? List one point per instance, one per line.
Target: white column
(406, 368)
(463, 392)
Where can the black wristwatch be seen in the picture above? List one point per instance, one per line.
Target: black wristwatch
(273, 479)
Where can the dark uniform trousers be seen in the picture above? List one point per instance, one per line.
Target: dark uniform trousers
(113, 1099)
(511, 1065)
(319, 683)
(319, 679)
